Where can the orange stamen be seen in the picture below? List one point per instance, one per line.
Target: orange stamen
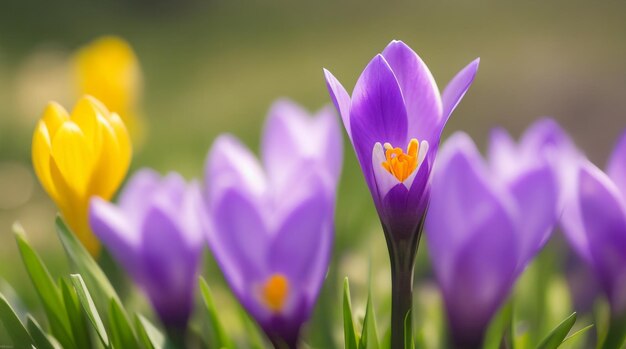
(399, 163)
(275, 291)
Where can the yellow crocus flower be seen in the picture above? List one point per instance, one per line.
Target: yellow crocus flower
(80, 155)
(109, 70)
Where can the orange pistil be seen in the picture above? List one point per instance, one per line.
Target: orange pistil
(399, 163)
(275, 291)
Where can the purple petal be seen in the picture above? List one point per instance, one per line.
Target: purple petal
(301, 237)
(616, 168)
(571, 219)
(170, 265)
(482, 275)
(239, 239)
(111, 226)
(377, 113)
(504, 157)
(604, 219)
(536, 193)
(543, 133)
(421, 95)
(136, 196)
(292, 136)
(462, 200)
(340, 99)
(228, 162)
(456, 89)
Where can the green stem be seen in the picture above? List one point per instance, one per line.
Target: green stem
(402, 253)
(617, 333)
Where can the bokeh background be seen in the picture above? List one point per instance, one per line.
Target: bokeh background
(216, 66)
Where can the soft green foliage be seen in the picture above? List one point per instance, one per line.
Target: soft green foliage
(15, 328)
(218, 336)
(90, 308)
(349, 332)
(554, 339)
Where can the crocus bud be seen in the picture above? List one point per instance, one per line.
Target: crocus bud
(80, 155)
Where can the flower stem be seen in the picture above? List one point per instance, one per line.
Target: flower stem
(617, 333)
(402, 253)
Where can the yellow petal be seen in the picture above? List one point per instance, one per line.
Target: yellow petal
(41, 158)
(54, 116)
(73, 157)
(85, 114)
(109, 70)
(112, 163)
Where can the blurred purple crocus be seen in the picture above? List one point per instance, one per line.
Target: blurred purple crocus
(271, 226)
(396, 104)
(155, 233)
(595, 222)
(483, 228)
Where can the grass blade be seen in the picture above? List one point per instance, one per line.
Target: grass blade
(219, 338)
(349, 333)
(558, 334)
(46, 288)
(122, 334)
(78, 323)
(90, 309)
(15, 329)
(41, 339)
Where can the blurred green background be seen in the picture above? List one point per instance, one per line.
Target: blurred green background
(216, 66)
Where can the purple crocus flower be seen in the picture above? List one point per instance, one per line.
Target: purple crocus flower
(396, 104)
(595, 222)
(155, 233)
(483, 228)
(271, 230)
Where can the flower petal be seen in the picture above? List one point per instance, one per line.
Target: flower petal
(292, 135)
(616, 168)
(111, 226)
(301, 236)
(134, 198)
(504, 157)
(604, 219)
(229, 160)
(463, 199)
(384, 180)
(340, 99)
(420, 91)
(41, 156)
(239, 237)
(73, 157)
(482, 274)
(536, 193)
(170, 265)
(456, 89)
(377, 113)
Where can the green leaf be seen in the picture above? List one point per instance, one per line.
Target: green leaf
(90, 309)
(253, 334)
(408, 332)
(151, 337)
(369, 335)
(617, 333)
(86, 266)
(41, 339)
(15, 329)
(602, 316)
(501, 323)
(575, 339)
(122, 334)
(219, 338)
(557, 335)
(47, 290)
(78, 322)
(349, 333)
